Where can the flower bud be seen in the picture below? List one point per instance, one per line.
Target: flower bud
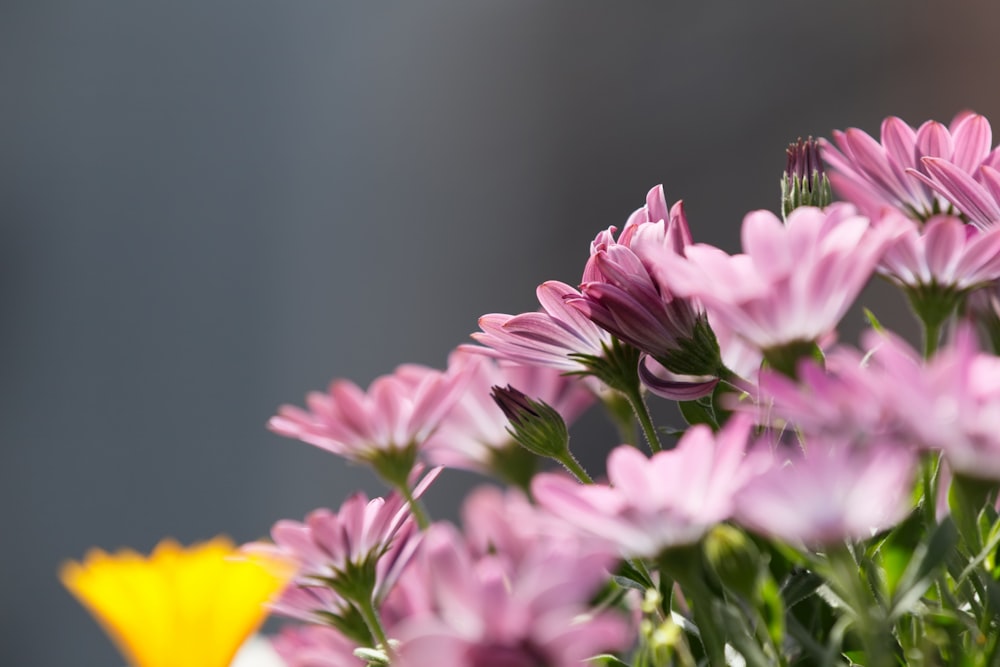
(535, 425)
(734, 559)
(804, 182)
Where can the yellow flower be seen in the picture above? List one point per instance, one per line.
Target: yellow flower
(189, 607)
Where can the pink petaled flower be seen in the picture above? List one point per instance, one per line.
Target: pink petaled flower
(944, 253)
(951, 404)
(830, 492)
(655, 210)
(873, 175)
(846, 397)
(397, 414)
(359, 550)
(623, 295)
(545, 338)
(483, 613)
(653, 504)
(504, 524)
(795, 281)
(474, 433)
(315, 646)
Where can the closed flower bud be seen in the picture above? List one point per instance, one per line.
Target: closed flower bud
(804, 182)
(733, 558)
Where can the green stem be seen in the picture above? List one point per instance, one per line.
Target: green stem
(570, 463)
(932, 334)
(684, 565)
(419, 513)
(871, 625)
(929, 470)
(372, 620)
(620, 410)
(635, 399)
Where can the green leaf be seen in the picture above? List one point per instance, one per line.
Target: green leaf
(628, 571)
(928, 557)
(694, 412)
(800, 585)
(625, 582)
(607, 660)
(873, 321)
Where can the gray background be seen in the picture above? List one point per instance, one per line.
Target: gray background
(209, 207)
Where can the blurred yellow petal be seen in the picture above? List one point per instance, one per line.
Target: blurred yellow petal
(191, 607)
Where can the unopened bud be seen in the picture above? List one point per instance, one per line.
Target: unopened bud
(535, 425)
(734, 559)
(804, 182)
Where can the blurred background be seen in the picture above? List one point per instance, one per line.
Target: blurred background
(209, 208)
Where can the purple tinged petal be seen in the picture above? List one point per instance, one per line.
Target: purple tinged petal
(973, 138)
(656, 204)
(961, 190)
(944, 240)
(980, 262)
(900, 142)
(990, 177)
(934, 140)
(673, 386)
(872, 159)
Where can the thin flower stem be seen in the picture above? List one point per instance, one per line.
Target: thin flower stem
(372, 620)
(638, 404)
(929, 470)
(700, 599)
(620, 410)
(419, 513)
(571, 464)
(683, 565)
(844, 572)
(932, 333)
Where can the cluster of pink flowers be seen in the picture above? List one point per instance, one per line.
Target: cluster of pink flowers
(800, 441)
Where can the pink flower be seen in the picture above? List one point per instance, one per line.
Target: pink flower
(873, 175)
(951, 404)
(795, 280)
(830, 492)
(545, 338)
(653, 504)
(474, 432)
(392, 420)
(944, 252)
(484, 613)
(506, 525)
(622, 294)
(359, 550)
(847, 397)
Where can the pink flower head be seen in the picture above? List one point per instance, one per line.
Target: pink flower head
(795, 280)
(359, 550)
(951, 404)
(874, 175)
(392, 419)
(483, 613)
(943, 252)
(847, 398)
(622, 294)
(506, 525)
(830, 492)
(545, 338)
(475, 430)
(655, 210)
(653, 504)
